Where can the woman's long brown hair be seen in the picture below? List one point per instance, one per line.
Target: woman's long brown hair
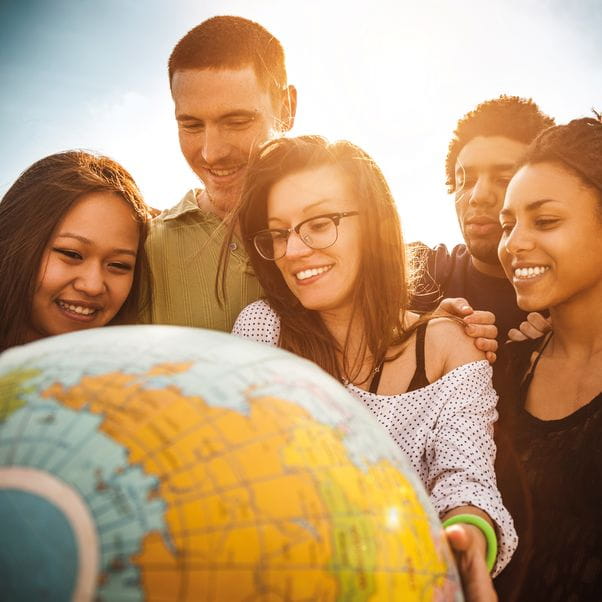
(380, 293)
(30, 211)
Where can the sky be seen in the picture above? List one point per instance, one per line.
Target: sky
(391, 76)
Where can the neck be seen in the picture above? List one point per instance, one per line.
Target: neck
(208, 205)
(489, 269)
(577, 325)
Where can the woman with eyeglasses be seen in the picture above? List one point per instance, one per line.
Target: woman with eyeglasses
(324, 239)
(551, 404)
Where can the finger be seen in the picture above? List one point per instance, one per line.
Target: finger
(514, 334)
(490, 357)
(530, 331)
(485, 331)
(480, 316)
(539, 322)
(456, 306)
(486, 344)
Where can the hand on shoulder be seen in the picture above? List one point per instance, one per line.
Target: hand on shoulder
(447, 346)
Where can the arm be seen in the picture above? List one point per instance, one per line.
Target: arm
(460, 448)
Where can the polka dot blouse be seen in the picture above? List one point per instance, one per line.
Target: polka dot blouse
(445, 429)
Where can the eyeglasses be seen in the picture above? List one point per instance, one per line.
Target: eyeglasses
(319, 232)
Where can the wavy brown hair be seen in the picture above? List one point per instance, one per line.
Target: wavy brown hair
(29, 213)
(380, 293)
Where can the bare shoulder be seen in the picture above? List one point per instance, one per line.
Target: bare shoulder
(448, 346)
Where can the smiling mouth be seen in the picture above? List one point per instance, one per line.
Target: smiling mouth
(224, 173)
(305, 274)
(531, 272)
(80, 310)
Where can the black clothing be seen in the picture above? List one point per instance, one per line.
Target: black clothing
(451, 274)
(419, 379)
(550, 476)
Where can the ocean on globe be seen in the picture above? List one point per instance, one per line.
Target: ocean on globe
(156, 463)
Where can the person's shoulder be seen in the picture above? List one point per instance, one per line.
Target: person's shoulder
(185, 205)
(259, 322)
(450, 345)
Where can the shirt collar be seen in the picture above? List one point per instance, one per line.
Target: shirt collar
(187, 204)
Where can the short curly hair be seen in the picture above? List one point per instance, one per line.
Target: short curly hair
(513, 117)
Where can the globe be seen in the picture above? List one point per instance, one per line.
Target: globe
(155, 463)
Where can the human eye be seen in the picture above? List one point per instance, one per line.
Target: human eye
(121, 266)
(191, 126)
(503, 180)
(239, 122)
(545, 223)
(68, 254)
(319, 224)
(507, 227)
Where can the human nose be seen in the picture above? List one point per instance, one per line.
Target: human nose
(296, 247)
(90, 280)
(214, 147)
(482, 192)
(517, 240)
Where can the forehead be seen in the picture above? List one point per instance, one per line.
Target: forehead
(301, 190)
(210, 92)
(547, 181)
(99, 216)
(484, 153)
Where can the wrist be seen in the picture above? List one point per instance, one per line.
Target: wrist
(484, 527)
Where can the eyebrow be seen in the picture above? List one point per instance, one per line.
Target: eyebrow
(87, 241)
(495, 167)
(532, 206)
(236, 113)
(308, 208)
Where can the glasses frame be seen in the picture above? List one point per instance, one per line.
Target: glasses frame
(335, 217)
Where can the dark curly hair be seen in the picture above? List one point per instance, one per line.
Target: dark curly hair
(577, 146)
(513, 117)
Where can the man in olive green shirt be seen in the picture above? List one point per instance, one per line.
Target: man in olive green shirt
(229, 86)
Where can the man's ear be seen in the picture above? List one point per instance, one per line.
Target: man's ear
(289, 108)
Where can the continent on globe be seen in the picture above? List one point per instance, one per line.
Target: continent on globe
(210, 468)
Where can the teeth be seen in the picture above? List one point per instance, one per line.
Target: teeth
(530, 272)
(78, 309)
(305, 274)
(224, 172)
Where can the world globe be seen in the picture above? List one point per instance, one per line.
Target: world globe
(152, 463)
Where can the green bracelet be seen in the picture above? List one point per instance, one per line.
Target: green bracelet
(486, 529)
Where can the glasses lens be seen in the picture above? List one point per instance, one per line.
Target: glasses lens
(270, 244)
(318, 233)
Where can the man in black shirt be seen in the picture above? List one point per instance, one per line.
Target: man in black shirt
(486, 144)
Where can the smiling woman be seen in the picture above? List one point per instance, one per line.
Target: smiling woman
(323, 235)
(551, 399)
(72, 231)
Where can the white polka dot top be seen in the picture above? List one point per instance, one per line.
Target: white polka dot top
(445, 429)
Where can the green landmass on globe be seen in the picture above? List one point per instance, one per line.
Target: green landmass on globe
(161, 463)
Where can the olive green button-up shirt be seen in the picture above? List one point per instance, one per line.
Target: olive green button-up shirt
(183, 247)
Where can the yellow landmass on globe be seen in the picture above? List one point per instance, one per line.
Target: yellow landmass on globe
(264, 506)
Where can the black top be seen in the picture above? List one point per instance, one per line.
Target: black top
(452, 274)
(419, 379)
(550, 476)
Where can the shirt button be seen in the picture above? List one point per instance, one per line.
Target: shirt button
(233, 246)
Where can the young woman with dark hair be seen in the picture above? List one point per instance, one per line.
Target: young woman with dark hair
(324, 239)
(551, 397)
(72, 231)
